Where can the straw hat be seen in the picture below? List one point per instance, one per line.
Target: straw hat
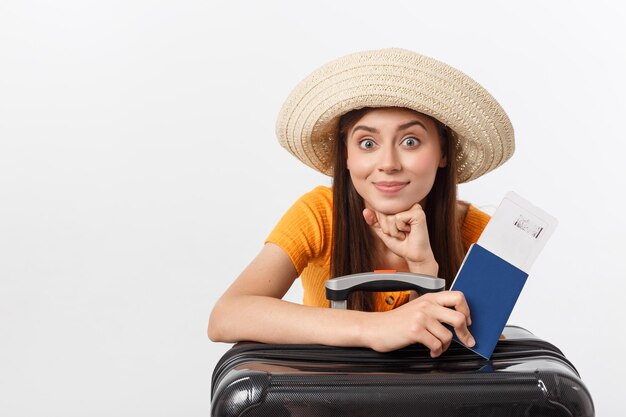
(308, 121)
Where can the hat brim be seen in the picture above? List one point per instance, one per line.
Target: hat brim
(307, 123)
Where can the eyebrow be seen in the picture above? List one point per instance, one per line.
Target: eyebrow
(401, 127)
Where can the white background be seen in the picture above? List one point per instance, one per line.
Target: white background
(139, 174)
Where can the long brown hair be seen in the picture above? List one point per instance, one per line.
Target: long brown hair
(353, 247)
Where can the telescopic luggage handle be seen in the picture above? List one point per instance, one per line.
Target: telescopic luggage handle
(339, 289)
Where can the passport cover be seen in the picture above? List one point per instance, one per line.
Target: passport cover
(491, 287)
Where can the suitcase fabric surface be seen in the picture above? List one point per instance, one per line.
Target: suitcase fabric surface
(526, 376)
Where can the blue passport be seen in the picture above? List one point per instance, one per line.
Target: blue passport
(491, 287)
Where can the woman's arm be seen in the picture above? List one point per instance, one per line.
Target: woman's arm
(251, 309)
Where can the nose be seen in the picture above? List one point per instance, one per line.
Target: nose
(389, 160)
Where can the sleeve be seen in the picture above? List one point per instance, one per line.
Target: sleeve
(304, 230)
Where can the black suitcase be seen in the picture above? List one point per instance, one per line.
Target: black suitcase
(525, 376)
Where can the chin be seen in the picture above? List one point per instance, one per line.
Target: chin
(391, 206)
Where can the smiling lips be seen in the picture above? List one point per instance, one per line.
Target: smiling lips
(390, 187)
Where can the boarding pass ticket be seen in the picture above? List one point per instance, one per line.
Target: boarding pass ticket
(518, 231)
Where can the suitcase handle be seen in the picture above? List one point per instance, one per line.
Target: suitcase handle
(339, 289)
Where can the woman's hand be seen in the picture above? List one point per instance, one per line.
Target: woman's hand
(420, 321)
(406, 235)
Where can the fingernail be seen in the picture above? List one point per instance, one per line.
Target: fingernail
(469, 321)
(471, 342)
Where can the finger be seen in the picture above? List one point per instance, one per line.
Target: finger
(465, 336)
(455, 319)
(415, 216)
(377, 227)
(392, 228)
(440, 332)
(370, 217)
(382, 221)
(433, 344)
(401, 225)
(454, 299)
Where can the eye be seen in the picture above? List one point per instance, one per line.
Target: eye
(367, 144)
(410, 142)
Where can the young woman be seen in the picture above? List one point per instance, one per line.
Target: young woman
(397, 131)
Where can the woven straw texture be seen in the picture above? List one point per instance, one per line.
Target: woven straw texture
(307, 123)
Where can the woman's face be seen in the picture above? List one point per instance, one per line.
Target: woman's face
(393, 157)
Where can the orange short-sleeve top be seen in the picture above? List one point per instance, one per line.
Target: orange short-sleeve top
(305, 234)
